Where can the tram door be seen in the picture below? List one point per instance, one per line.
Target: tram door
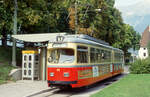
(30, 65)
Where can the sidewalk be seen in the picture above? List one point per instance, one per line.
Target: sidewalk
(22, 88)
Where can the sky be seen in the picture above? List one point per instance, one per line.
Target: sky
(135, 12)
(126, 2)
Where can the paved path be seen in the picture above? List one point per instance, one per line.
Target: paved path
(40, 89)
(21, 88)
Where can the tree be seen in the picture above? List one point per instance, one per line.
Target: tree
(128, 39)
(34, 16)
(5, 21)
(48, 16)
(38, 16)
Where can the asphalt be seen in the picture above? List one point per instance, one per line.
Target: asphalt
(22, 88)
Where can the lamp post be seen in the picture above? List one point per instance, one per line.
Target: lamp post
(14, 32)
(76, 17)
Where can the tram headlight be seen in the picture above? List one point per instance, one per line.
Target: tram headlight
(66, 74)
(52, 74)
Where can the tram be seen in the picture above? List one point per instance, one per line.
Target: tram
(81, 60)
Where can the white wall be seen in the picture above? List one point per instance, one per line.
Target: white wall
(141, 53)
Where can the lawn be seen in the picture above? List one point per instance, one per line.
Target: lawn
(4, 73)
(132, 85)
(5, 63)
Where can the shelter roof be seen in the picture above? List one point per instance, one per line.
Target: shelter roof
(43, 37)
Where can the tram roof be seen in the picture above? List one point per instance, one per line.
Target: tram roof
(85, 39)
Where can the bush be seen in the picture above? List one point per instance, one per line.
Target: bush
(140, 66)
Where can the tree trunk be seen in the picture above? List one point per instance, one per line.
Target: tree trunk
(4, 38)
(126, 56)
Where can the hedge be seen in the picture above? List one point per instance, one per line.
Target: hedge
(140, 66)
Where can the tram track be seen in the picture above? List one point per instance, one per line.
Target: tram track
(41, 92)
(68, 92)
(54, 92)
(84, 92)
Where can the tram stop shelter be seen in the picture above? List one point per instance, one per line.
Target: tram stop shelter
(41, 42)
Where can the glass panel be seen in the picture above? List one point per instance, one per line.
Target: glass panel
(36, 57)
(25, 72)
(36, 64)
(30, 58)
(61, 56)
(99, 56)
(118, 57)
(29, 65)
(25, 58)
(29, 72)
(144, 54)
(92, 55)
(96, 55)
(82, 57)
(103, 55)
(25, 65)
(82, 54)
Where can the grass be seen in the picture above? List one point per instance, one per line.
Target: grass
(5, 63)
(4, 73)
(133, 85)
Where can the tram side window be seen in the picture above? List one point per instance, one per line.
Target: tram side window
(118, 57)
(103, 55)
(108, 56)
(82, 54)
(99, 56)
(96, 55)
(92, 55)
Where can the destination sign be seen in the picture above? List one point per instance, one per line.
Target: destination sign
(59, 45)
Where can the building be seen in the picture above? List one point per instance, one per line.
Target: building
(143, 51)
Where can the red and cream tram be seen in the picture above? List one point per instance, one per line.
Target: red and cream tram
(80, 60)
